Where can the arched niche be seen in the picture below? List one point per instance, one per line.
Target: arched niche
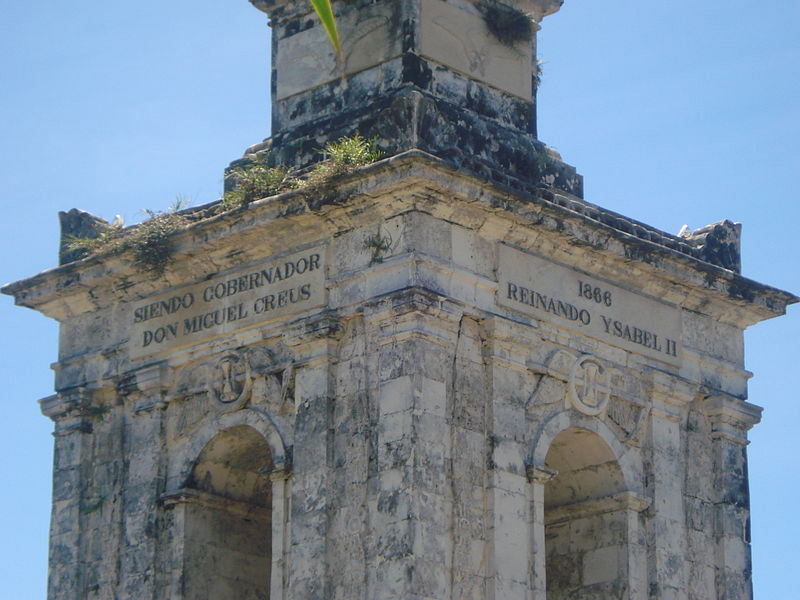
(586, 533)
(586, 514)
(223, 530)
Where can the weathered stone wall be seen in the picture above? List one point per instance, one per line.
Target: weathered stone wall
(423, 431)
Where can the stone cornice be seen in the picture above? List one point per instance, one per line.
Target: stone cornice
(208, 500)
(673, 274)
(588, 508)
(731, 418)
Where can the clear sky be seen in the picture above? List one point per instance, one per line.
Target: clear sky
(679, 112)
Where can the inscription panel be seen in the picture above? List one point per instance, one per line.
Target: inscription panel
(261, 292)
(564, 296)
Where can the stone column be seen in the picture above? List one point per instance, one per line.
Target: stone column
(670, 397)
(412, 506)
(313, 344)
(70, 450)
(281, 513)
(509, 488)
(636, 560)
(730, 419)
(538, 476)
(144, 485)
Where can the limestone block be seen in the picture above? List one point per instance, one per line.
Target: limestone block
(670, 567)
(601, 565)
(701, 581)
(397, 395)
(473, 252)
(428, 235)
(469, 586)
(306, 60)
(508, 458)
(511, 542)
(66, 484)
(430, 507)
(433, 398)
(459, 39)
(714, 338)
(395, 454)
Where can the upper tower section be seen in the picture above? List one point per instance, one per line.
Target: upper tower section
(455, 78)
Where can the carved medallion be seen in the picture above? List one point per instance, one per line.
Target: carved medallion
(589, 386)
(231, 382)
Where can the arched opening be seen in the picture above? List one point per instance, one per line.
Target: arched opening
(586, 519)
(228, 509)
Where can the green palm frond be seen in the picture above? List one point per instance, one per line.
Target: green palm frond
(325, 12)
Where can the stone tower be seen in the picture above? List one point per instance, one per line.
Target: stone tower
(443, 375)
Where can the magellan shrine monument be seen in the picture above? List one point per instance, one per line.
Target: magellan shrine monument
(434, 373)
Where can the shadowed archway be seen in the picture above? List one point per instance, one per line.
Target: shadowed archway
(585, 518)
(228, 531)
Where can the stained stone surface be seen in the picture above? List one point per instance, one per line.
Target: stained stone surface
(518, 395)
(420, 435)
(415, 74)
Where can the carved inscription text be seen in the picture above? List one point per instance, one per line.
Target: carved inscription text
(559, 294)
(260, 293)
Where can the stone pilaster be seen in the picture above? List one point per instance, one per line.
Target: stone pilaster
(730, 419)
(511, 497)
(281, 527)
(143, 483)
(412, 510)
(313, 344)
(71, 447)
(667, 531)
(538, 476)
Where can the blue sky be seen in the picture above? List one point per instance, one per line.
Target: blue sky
(675, 112)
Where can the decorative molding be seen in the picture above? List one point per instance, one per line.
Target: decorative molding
(598, 506)
(66, 403)
(208, 500)
(230, 380)
(731, 418)
(589, 386)
(597, 389)
(540, 474)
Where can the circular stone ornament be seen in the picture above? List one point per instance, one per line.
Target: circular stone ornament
(231, 382)
(589, 386)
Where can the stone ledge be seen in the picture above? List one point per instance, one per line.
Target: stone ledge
(599, 506)
(208, 500)
(62, 291)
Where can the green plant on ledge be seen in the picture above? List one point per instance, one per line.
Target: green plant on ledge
(107, 239)
(342, 157)
(150, 242)
(255, 182)
(508, 24)
(258, 180)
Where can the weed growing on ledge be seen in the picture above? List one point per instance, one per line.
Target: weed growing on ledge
(342, 157)
(259, 180)
(509, 25)
(537, 75)
(150, 242)
(90, 245)
(255, 182)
